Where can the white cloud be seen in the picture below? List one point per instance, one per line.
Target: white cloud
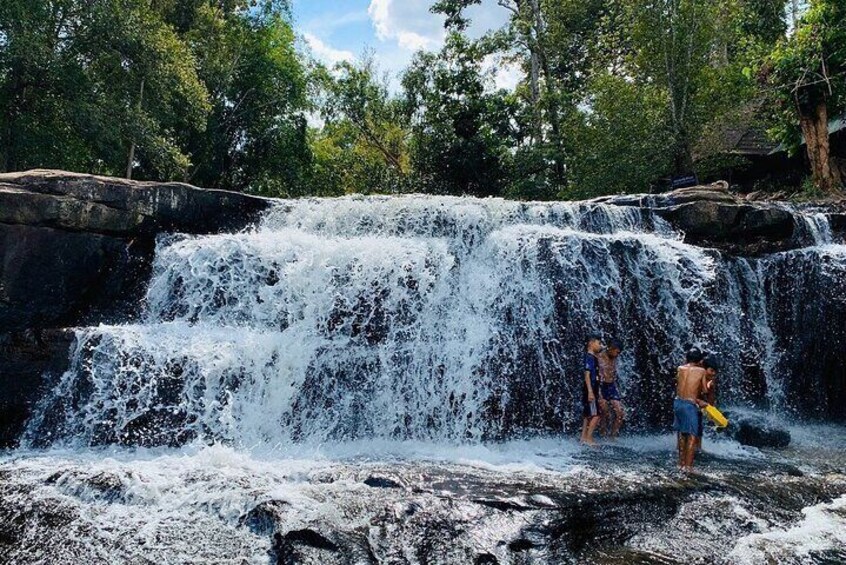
(408, 22)
(508, 76)
(405, 26)
(327, 53)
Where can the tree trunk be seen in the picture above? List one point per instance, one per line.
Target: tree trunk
(682, 157)
(824, 171)
(132, 143)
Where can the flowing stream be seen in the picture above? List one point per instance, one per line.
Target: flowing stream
(433, 343)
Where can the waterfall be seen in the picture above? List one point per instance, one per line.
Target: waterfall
(439, 318)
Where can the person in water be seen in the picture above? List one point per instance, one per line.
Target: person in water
(711, 365)
(690, 387)
(610, 398)
(590, 389)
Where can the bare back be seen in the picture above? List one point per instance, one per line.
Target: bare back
(690, 382)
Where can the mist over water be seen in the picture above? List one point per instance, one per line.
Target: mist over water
(431, 318)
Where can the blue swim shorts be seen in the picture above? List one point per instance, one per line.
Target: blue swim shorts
(610, 392)
(686, 417)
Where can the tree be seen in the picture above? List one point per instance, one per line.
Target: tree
(256, 134)
(808, 72)
(460, 134)
(672, 43)
(623, 143)
(559, 41)
(71, 76)
(363, 144)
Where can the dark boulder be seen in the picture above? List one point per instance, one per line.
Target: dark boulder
(741, 229)
(297, 546)
(757, 432)
(27, 362)
(838, 223)
(56, 278)
(381, 482)
(266, 517)
(711, 216)
(107, 205)
(76, 249)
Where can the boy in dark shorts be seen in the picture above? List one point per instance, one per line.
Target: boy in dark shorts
(590, 389)
(610, 398)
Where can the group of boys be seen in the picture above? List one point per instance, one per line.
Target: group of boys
(602, 404)
(600, 396)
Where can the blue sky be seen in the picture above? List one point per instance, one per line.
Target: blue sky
(392, 29)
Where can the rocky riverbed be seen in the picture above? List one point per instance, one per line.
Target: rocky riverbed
(539, 501)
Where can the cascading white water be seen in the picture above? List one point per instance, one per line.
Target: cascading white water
(410, 317)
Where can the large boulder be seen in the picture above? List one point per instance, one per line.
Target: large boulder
(757, 431)
(741, 229)
(77, 248)
(711, 216)
(121, 207)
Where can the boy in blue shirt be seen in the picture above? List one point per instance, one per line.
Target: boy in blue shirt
(590, 389)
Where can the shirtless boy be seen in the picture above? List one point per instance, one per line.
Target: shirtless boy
(610, 398)
(590, 389)
(711, 365)
(690, 386)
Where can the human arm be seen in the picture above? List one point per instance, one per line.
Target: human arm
(703, 391)
(589, 388)
(711, 390)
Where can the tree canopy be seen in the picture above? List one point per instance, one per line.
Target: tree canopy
(613, 96)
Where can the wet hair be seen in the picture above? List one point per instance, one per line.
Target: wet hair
(694, 355)
(615, 343)
(593, 336)
(711, 361)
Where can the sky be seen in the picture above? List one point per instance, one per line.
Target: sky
(393, 30)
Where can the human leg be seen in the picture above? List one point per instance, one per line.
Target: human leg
(619, 417)
(605, 417)
(690, 450)
(591, 426)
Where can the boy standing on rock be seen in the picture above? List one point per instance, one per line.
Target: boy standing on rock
(609, 395)
(590, 389)
(711, 365)
(691, 384)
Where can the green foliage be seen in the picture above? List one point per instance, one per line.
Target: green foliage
(256, 135)
(214, 93)
(363, 145)
(71, 76)
(808, 68)
(460, 131)
(624, 142)
(613, 97)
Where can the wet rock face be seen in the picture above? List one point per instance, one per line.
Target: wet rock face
(738, 229)
(757, 433)
(55, 278)
(120, 207)
(77, 250)
(28, 361)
